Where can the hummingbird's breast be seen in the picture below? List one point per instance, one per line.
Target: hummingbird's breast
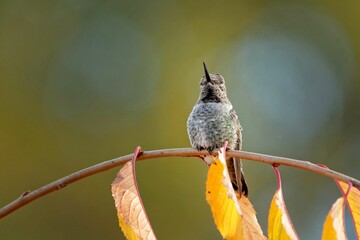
(210, 125)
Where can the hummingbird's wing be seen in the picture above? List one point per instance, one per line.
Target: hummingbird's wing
(237, 164)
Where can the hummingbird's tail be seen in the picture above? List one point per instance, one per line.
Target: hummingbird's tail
(244, 187)
(237, 176)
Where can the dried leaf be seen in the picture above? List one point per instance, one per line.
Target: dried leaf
(279, 222)
(334, 223)
(130, 210)
(352, 197)
(234, 218)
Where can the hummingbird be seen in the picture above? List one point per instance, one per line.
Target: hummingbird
(214, 121)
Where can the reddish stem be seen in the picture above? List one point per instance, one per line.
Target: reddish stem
(225, 146)
(278, 177)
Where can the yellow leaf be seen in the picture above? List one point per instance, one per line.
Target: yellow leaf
(279, 223)
(132, 216)
(352, 198)
(234, 218)
(126, 228)
(334, 223)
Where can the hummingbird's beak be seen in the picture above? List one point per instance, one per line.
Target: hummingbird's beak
(207, 73)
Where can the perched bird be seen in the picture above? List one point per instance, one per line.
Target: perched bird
(214, 121)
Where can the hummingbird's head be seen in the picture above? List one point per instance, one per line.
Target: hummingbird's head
(212, 88)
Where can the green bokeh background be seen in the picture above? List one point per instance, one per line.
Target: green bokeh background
(82, 82)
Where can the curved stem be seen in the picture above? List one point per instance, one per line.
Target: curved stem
(30, 196)
(278, 177)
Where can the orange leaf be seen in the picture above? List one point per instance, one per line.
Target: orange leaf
(279, 222)
(131, 213)
(352, 197)
(334, 223)
(234, 218)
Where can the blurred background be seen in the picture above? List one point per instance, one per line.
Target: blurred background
(82, 82)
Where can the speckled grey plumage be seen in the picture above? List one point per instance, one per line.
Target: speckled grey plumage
(214, 121)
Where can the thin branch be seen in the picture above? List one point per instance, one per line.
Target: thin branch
(30, 196)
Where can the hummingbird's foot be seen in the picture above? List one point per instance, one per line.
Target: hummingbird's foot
(210, 149)
(199, 148)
